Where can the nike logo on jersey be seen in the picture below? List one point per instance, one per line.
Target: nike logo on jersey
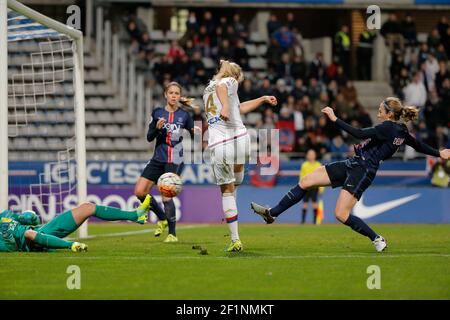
(364, 212)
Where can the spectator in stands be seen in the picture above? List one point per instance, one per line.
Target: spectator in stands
(281, 93)
(342, 47)
(314, 89)
(349, 92)
(297, 47)
(225, 50)
(163, 69)
(340, 77)
(303, 144)
(443, 26)
(299, 122)
(265, 90)
(176, 52)
(393, 33)
(415, 92)
(208, 22)
(189, 48)
(408, 27)
(423, 53)
(145, 43)
(299, 90)
(362, 116)
(338, 147)
(192, 24)
(318, 67)
(399, 82)
(284, 37)
(298, 68)
(273, 52)
(332, 90)
(202, 41)
(441, 75)
(441, 55)
(434, 112)
(247, 91)
(182, 71)
(434, 40)
(283, 68)
(290, 21)
(431, 69)
(241, 55)
(273, 24)
(240, 28)
(364, 54)
(133, 30)
(446, 42)
(197, 70)
(320, 103)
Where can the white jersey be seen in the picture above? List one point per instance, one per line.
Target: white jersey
(221, 131)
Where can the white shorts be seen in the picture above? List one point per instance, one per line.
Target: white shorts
(225, 155)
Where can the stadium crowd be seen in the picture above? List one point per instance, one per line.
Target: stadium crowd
(419, 73)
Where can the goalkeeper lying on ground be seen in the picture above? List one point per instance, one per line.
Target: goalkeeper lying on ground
(22, 232)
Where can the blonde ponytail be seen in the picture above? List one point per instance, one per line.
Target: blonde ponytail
(409, 113)
(229, 69)
(406, 113)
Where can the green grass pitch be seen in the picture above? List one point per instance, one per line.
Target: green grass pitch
(278, 262)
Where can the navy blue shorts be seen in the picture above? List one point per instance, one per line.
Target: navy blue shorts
(156, 169)
(351, 175)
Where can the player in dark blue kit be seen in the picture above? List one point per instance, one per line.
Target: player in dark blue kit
(166, 126)
(356, 174)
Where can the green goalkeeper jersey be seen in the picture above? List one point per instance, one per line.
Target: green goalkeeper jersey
(13, 227)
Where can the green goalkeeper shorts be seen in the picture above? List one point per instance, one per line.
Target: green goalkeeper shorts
(60, 226)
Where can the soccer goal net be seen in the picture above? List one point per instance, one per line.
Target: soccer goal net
(42, 113)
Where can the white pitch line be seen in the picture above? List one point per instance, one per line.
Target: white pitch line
(236, 256)
(132, 233)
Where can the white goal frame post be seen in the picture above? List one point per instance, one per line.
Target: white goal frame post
(79, 103)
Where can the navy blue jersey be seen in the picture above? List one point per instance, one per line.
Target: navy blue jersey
(382, 141)
(169, 148)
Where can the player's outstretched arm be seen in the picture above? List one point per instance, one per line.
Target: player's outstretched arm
(421, 147)
(29, 218)
(249, 106)
(356, 132)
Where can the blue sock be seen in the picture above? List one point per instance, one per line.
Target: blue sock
(360, 226)
(292, 197)
(169, 208)
(157, 210)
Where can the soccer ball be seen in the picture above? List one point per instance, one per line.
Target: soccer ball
(169, 184)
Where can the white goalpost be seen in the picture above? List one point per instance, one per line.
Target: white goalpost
(42, 105)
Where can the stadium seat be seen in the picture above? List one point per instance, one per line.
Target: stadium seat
(253, 117)
(208, 63)
(256, 37)
(262, 49)
(157, 35)
(162, 48)
(251, 49)
(257, 63)
(172, 35)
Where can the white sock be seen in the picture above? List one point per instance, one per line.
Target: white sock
(231, 214)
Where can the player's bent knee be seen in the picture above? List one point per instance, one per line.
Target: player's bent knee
(30, 234)
(239, 177)
(87, 207)
(341, 215)
(306, 182)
